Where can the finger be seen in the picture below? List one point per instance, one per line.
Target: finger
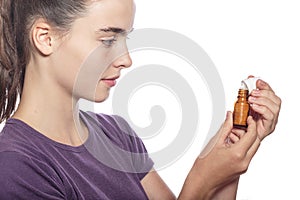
(262, 101)
(253, 149)
(233, 138)
(238, 132)
(262, 85)
(266, 94)
(255, 115)
(249, 138)
(264, 111)
(221, 136)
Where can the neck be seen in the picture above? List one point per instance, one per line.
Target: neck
(51, 111)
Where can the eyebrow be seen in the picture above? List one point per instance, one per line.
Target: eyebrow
(114, 30)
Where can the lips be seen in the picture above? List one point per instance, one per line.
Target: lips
(111, 82)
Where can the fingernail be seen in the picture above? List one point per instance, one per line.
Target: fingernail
(251, 98)
(254, 106)
(228, 114)
(255, 92)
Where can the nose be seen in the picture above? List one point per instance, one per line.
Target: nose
(124, 61)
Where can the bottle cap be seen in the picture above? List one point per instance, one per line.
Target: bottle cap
(249, 83)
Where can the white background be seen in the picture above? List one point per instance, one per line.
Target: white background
(258, 37)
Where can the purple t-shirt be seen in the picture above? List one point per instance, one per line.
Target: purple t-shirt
(109, 165)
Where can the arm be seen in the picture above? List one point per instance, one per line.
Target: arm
(228, 192)
(156, 188)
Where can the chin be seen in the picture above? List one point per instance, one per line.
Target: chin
(100, 98)
(101, 94)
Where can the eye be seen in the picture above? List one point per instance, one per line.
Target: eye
(108, 41)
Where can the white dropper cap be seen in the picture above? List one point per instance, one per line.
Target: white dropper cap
(243, 85)
(249, 83)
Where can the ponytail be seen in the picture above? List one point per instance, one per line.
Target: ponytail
(11, 68)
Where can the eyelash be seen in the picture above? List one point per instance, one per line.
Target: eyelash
(109, 42)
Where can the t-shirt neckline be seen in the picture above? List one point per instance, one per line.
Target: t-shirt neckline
(44, 138)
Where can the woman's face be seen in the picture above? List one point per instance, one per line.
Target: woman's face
(89, 58)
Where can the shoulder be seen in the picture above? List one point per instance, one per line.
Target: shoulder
(26, 177)
(110, 119)
(119, 122)
(24, 153)
(11, 137)
(110, 123)
(18, 137)
(116, 129)
(17, 164)
(25, 166)
(13, 162)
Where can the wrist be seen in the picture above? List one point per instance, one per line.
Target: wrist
(197, 184)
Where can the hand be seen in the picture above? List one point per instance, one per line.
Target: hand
(224, 159)
(266, 106)
(232, 152)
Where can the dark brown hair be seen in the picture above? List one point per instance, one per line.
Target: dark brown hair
(16, 20)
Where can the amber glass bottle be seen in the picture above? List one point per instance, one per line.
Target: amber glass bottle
(241, 109)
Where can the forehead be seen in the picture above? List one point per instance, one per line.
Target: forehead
(111, 13)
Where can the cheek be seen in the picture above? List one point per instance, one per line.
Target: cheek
(79, 67)
(90, 72)
(68, 61)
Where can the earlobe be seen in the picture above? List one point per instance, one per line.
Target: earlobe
(42, 37)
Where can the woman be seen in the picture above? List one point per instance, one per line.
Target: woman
(54, 52)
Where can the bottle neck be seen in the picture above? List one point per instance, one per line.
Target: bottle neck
(243, 94)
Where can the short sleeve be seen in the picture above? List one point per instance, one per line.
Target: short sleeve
(24, 178)
(140, 157)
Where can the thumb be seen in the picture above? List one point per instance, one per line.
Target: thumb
(226, 127)
(219, 137)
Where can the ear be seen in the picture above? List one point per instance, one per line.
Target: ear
(42, 37)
